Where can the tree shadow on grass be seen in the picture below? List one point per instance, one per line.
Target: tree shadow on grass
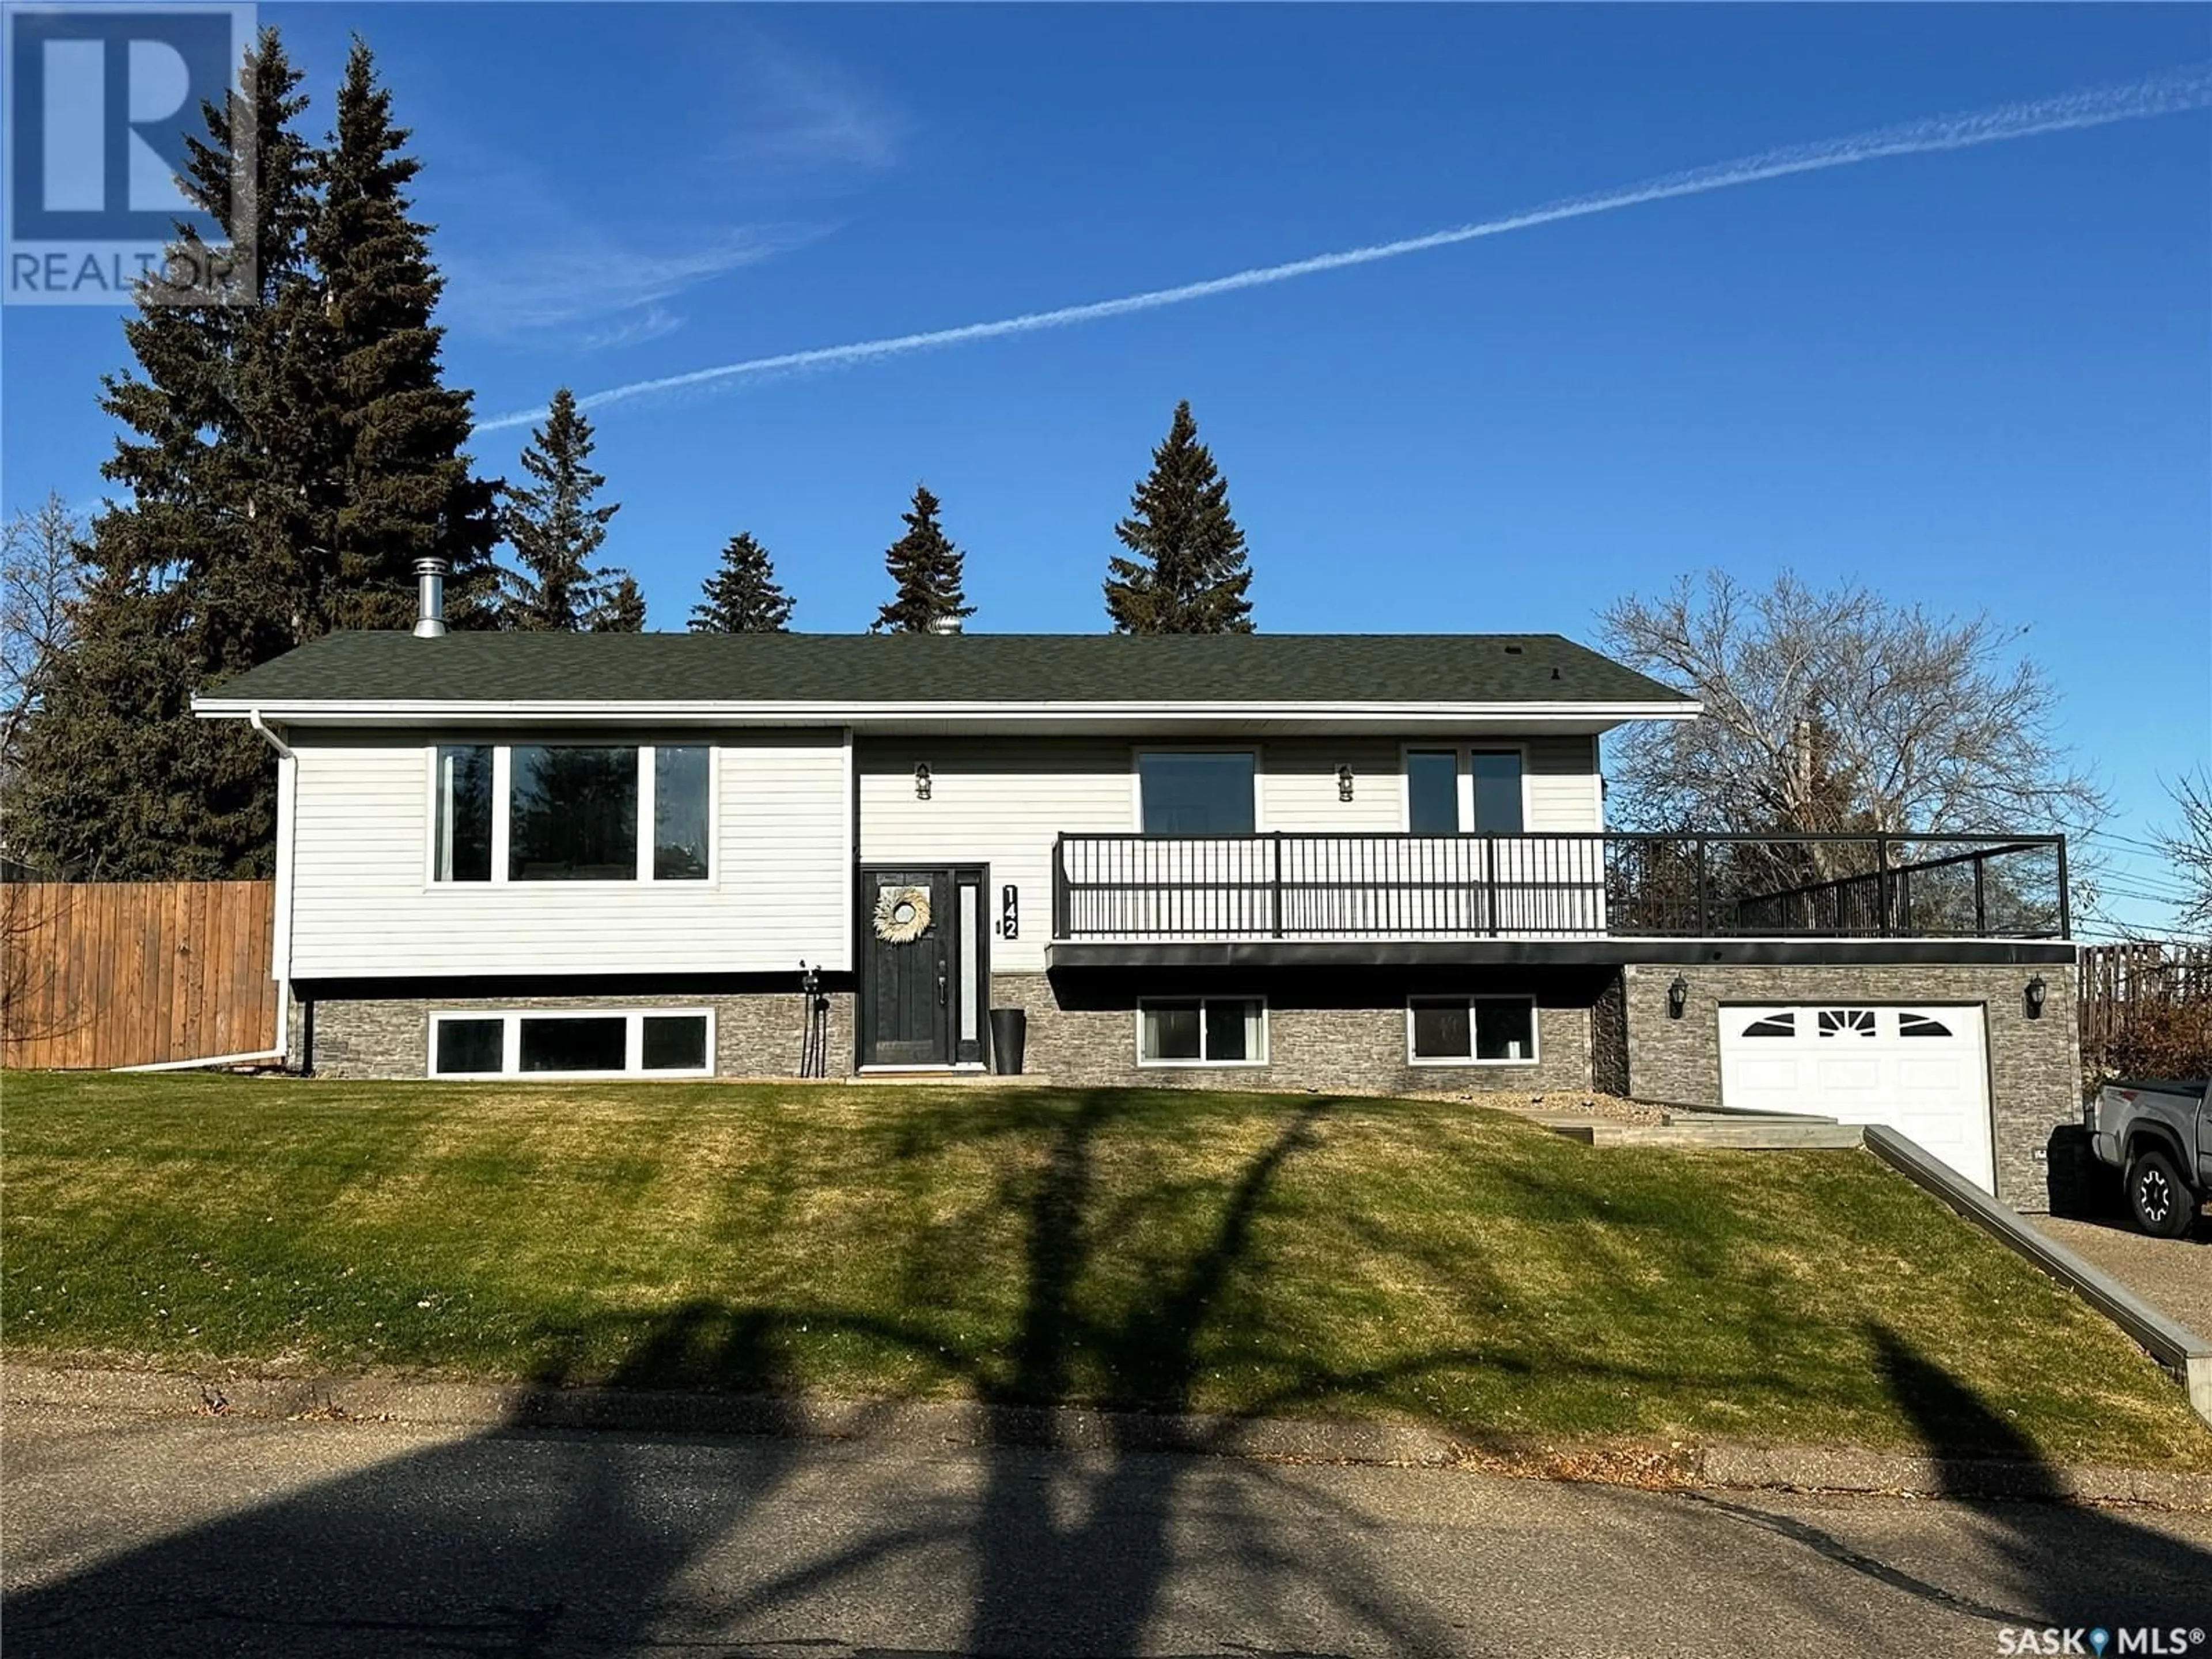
(497, 1544)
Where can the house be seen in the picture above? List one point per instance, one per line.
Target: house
(1351, 862)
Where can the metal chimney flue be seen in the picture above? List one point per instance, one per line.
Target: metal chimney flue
(430, 598)
(946, 624)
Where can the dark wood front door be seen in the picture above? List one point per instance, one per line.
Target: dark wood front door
(907, 932)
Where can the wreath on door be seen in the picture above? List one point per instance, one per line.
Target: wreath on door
(901, 914)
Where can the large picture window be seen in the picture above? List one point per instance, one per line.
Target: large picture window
(563, 812)
(572, 813)
(1471, 1031)
(1196, 791)
(574, 1042)
(1202, 1031)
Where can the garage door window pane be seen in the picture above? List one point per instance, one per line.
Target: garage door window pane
(675, 1043)
(1444, 1028)
(466, 1047)
(574, 1045)
(1504, 1030)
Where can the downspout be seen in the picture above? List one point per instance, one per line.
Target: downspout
(287, 795)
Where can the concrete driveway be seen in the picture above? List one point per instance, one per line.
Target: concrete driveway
(199, 1536)
(2174, 1275)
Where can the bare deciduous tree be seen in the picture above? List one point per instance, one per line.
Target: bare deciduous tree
(2187, 846)
(41, 574)
(1838, 711)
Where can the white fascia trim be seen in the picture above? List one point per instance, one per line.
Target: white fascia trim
(387, 712)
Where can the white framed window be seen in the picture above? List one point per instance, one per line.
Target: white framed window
(1198, 792)
(1467, 788)
(572, 812)
(1202, 1031)
(551, 1044)
(1459, 1031)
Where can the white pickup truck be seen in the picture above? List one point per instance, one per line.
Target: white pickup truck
(2158, 1135)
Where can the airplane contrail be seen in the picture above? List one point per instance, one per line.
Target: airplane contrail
(2167, 94)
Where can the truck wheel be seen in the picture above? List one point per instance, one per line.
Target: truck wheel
(2162, 1204)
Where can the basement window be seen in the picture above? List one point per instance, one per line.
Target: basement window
(546, 1043)
(1471, 1031)
(1202, 1031)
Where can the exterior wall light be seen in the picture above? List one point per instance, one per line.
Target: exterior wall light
(1678, 997)
(1344, 783)
(2033, 996)
(921, 781)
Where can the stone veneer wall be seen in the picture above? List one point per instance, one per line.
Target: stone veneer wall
(1609, 1039)
(2035, 1067)
(1084, 1034)
(756, 1033)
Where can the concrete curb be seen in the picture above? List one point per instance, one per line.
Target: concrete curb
(938, 1424)
(2172, 1343)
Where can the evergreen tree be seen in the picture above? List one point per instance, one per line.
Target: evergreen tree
(928, 569)
(406, 487)
(1188, 574)
(742, 596)
(554, 529)
(623, 610)
(198, 573)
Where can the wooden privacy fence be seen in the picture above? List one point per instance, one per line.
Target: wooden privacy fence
(135, 973)
(2118, 978)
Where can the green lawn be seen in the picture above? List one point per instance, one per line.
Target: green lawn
(1180, 1250)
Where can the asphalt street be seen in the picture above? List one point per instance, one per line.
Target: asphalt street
(135, 1535)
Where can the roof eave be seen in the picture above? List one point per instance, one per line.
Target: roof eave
(682, 712)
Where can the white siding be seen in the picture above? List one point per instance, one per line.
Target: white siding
(1298, 786)
(998, 801)
(1562, 785)
(363, 905)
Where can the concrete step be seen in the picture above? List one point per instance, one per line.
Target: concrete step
(1743, 1134)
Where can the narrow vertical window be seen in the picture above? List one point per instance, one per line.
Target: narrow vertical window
(679, 814)
(463, 849)
(1497, 777)
(1432, 792)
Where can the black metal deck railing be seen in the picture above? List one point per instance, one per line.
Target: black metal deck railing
(1292, 885)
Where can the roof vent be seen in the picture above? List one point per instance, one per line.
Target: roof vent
(1512, 650)
(946, 625)
(430, 598)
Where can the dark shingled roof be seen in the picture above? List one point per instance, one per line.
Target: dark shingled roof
(841, 669)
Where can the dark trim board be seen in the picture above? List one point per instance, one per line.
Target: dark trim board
(1061, 958)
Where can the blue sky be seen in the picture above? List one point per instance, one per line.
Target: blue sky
(1979, 379)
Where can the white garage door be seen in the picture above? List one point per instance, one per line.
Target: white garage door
(1921, 1069)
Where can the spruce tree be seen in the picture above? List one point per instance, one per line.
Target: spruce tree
(407, 488)
(742, 596)
(197, 574)
(927, 567)
(622, 611)
(554, 529)
(1189, 573)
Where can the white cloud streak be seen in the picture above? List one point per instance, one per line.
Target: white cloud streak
(2168, 94)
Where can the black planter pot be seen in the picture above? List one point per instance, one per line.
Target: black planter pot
(1010, 1031)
